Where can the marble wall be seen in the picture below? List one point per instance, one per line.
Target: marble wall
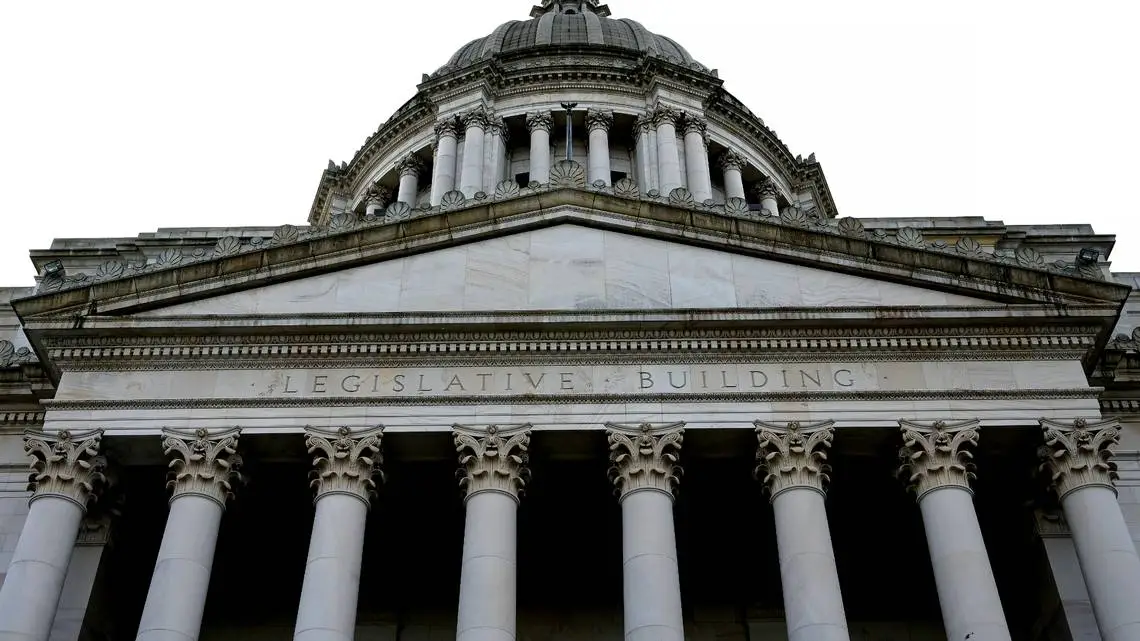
(568, 267)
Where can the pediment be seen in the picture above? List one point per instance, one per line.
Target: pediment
(567, 267)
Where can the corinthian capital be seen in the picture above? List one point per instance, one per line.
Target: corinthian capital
(935, 455)
(793, 455)
(731, 160)
(477, 117)
(539, 121)
(205, 464)
(345, 462)
(378, 195)
(694, 123)
(645, 457)
(410, 164)
(66, 465)
(446, 127)
(1079, 454)
(599, 119)
(665, 115)
(493, 458)
(767, 189)
(643, 124)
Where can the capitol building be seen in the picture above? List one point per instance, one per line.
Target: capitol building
(573, 348)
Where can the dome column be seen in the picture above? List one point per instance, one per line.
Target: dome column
(1078, 456)
(475, 124)
(697, 157)
(791, 463)
(936, 464)
(668, 158)
(540, 124)
(409, 167)
(443, 169)
(598, 123)
(645, 472)
(768, 194)
(646, 168)
(731, 163)
(493, 470)
(496, 168)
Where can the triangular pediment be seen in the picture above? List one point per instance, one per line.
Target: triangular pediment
(567, 267)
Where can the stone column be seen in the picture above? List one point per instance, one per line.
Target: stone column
(475, 126)
(790, 461)
(409, 167)
(496, 169)
(598, 123)
(645, 473)
(767, 193)
(540, 123)
(376, 199)
(345, 464)
(493, 471)
(645, 168)
(443, 166)
(67, 476)
(668, 160)
(697, 157)
(936, 465)
(1078, 456)
(205, 465)
(732, 163)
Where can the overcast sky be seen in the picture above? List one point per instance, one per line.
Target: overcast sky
(122, 117)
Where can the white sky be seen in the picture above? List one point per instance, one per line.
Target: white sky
(120, 117)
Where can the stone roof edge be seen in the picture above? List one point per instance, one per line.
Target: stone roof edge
(794, 236)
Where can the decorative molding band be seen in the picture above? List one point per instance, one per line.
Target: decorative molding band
(66, 465)
(793, 455)
(205, 463)
(777, 397)
(935, 455)
(493, 458)
(345, 462)
(645, 457)
(21, 418)
(1078, 454)
(1118, 406)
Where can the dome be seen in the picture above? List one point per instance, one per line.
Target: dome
(561, 23)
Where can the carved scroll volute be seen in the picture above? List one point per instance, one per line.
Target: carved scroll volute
(645, 457)
(345, 462)
(793, 455)
(493, 458)
(204, 463)
(66, 465)
(1079, 454)
(935, 455)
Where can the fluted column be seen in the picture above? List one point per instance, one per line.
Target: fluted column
(697, 157)
(646, 170)
(540, 123)
(67, 476)
(768, 192)
(668, 159)
(345, 464)
(409, 167)
(598, 122)
(493, 470)
(1078, 456)
(645, 473)
(203, 468)
(732, 163)
(443, 166)
(791, 461)
(475, 127)
(376, 199)
(936, 465)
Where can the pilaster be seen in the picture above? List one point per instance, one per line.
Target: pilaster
(345, 462)
(1079, 454)
(935, 455)
(793, 455)
(66, 465)
(205, 464)
(645, 457)
(493, 458)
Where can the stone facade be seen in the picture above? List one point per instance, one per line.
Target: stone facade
(599, 321)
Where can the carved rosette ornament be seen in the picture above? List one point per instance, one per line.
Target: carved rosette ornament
(66, 465)
(205, 464)
(345, 462)
(793, 455)
(599, 119)
(935, 456)
(731, 160)
(539, 121)
(1079, 454)
(410, 165)
(493, 458)
(645, 457)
